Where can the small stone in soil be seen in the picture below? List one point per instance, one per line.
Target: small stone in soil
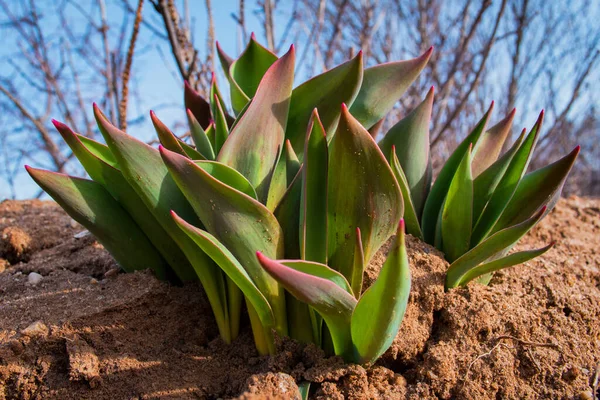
(34, 278)
(38, 328)
(111, 272)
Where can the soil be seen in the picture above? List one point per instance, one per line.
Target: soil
(83, 330)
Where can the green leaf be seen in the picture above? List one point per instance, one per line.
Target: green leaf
(325, 92)
(292, 164)
(88, 203)
(539, 188)
(507, 185)
(439, 190)
(486, 183)
(190, 152)
(165, 136)
(238, 221)
(383, 85)
(111, 178)
(500, 241)
(410, 136)
(501, 263)
(99, 150)
(221, 127)
(200, 138)
(288, 215)
(313, 209)
(457, 214)
(490, 145)
(216, 101)
(197, 105)
(279, 182)
(358, 266)
(247, 71)
(145, 171)
(332, 302)
(231, 266)
(255, 141)
(410, 216)
(379, 312)
(228, 176)
(362, 192)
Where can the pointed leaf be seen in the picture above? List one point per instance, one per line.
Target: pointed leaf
(288, 215)
(439, 190)
(225, 60)
(507, 185)
(496, 243)
(410, 136)
(332, 302)
(319, 270)
(99, 150)
(231, 266)
(362, 192)
(221, 128)
(247, 72)
(111, 178)
(410, 216)
(490, 145)
(313, 209)
(200, 138)
(228, 176)
(254, 144)
(458, 211)
(325, 92)
(145, 171)
(216, 101)
(379, 312)
(88, 203)
(165, 136)
(238, 221)
(197, 105)
(485, 184)
(501, 263)
(539, 188)
(383, 85)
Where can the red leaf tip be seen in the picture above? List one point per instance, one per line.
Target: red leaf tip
(401, 225)
(252, 36)
(28, 168)
(344, 107)
(577, 148)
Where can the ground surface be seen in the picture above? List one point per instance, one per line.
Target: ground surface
(85, 331)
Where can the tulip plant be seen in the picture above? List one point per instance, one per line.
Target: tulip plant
(284, 198)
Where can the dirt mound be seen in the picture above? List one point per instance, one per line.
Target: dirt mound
(82, 330)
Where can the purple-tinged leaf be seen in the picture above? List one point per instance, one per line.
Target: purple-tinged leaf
(255, 142)
(332, 302)
(197, 105)
(383, 85)
(490, 145)
(362, 192)
(379, 312)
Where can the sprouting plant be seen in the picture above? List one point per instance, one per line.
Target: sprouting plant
(481, 202)
(295, 176)
(282, 206)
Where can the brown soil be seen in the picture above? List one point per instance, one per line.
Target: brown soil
(85, 331)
